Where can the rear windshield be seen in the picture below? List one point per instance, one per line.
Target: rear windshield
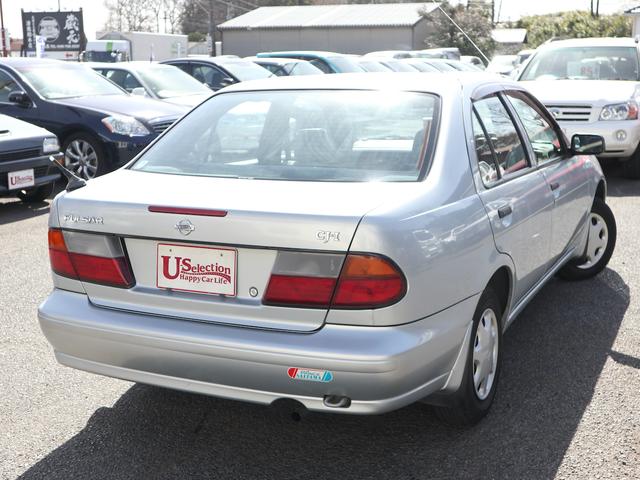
(301, 135)
(583, 63)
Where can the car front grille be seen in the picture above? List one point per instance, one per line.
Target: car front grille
(571, 113)
(20, 154)
(159, 127)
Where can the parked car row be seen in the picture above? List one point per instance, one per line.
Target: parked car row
(100, 126)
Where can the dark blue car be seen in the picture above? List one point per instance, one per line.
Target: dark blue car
(99, 125)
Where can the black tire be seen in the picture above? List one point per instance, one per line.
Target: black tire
(581, 269)
(631, 166)
(466, 407)
(73, 160)
(34, 195)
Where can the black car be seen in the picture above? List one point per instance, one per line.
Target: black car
(218, 72)
(25, 169)
(99, 125)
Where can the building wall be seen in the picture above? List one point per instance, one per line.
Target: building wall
(636, 26)
(343, 40)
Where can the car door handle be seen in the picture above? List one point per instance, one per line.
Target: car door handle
(554, 185)
(504, 211)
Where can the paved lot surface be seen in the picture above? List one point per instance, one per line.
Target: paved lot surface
(568, 405)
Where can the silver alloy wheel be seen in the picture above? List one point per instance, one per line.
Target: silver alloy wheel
(81, 158)
(598, 240)
(485, 353)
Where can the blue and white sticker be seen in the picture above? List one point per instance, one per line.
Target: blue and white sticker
(310, 375)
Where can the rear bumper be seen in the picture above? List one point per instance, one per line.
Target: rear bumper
(378, 368)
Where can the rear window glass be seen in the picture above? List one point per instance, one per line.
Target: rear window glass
(301, 135)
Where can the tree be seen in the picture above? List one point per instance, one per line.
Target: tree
(474, 19)
(173, 12)
(144, 15)
(575, 24)
(128, 15)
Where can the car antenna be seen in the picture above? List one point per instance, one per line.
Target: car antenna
(461, 31)
(73, 181)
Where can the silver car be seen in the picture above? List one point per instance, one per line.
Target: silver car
(364, 250)
(592, 85)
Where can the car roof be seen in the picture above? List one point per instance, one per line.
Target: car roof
(591, 42)
(24, 61)
(438, 83)
(135, 65)
(275, 60)
(311, 53)
(216, 60)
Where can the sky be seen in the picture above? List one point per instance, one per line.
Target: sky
(95, 14)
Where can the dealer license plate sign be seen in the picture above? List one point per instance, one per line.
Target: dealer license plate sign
(197, 269)
(21, 179)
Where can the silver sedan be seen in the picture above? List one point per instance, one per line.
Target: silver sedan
(353, 243)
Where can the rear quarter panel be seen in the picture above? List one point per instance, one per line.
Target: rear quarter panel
(440, 237)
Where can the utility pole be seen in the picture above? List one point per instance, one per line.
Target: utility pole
(4, 45)
(212, 50)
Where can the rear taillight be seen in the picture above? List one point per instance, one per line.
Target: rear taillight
(89, 257)
(320, 281)
(368, 281)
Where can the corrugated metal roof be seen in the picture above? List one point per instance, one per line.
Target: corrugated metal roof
(509, 35)
(316, 16)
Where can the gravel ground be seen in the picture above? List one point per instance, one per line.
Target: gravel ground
(568, 405)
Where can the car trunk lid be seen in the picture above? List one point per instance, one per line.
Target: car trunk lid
(253, 221)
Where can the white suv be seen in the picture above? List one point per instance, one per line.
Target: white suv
(592, 85)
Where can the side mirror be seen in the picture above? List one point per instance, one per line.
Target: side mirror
(139, 92)
(587, 144)
(226, 81)
(20, 98)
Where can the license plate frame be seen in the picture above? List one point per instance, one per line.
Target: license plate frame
(28, 173)
(213, 267)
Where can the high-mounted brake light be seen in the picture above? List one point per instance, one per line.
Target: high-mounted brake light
(89, 258)
(308, 280)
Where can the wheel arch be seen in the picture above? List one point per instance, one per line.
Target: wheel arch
(502, 283)
(601, 190)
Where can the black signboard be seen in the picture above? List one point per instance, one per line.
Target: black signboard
(61, 31)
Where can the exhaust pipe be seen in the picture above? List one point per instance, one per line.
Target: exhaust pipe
(336, 401)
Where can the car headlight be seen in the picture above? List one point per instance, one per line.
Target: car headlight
(123, 125)
(620, 111)
(50, 145)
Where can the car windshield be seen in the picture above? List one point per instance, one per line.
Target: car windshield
(397, 65)
(244, 70)
(65, 81)
(167, 82)
(345, 65)
(583, 63)
(301, 135)
(302, 68)
(372, 66)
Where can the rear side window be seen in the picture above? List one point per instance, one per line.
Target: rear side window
(123, 78)
(302, 135)
(503, 136)
(321, 65)
(543, 137)
(210, 76)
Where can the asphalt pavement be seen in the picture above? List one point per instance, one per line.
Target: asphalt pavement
(568, 403)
